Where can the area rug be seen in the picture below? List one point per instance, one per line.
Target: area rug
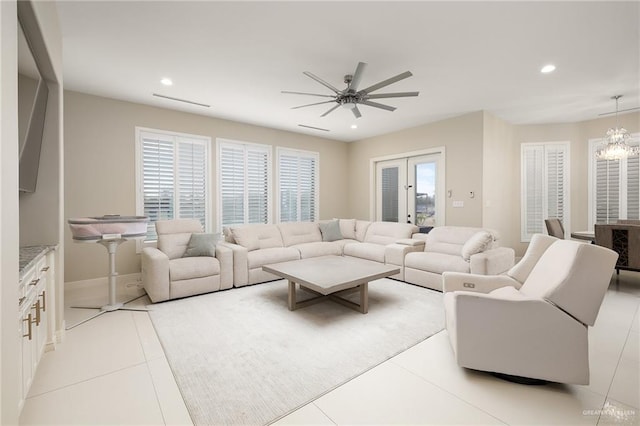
(240, 356)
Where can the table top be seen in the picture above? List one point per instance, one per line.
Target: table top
(329, 274)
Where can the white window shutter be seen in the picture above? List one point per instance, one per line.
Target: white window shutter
(257, 186)
(298, 186)
(232, 181)
(633, 188)
(607, 191)
(158, 181)
(545, 192)
(192, 184)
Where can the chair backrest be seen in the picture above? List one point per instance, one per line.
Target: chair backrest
(174, 235)
(573, 276)
(537, 246)
(554, 227)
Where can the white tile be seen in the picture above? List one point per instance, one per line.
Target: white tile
(172, 405)
(148, 337)
(625, 387)
(510, 402)
(310, 414)
(122, 398)
(618, 414)
(388, 394)
(631, 350)
(635, 327)
(101, 346)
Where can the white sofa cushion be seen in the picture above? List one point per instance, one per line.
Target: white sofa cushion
(257, 236)
(368, 251)
(436, 262)
(478, 243)
(388, 232)
(186, 268)
(323, 248)
(258, 258)
(299, 233)
(348, 228)
(361, 229)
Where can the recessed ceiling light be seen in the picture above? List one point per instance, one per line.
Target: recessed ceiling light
(548, 68)
(354, 126)
(166, 81)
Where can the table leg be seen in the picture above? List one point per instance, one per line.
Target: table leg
(364, 298)
(292, 296)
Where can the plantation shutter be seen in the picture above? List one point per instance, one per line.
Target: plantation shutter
(298, 186)
(544, 186)
(389, 188)
(244, 183)
(173, 178)
(633, 188)
(607, 191)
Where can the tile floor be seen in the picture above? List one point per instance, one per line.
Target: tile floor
(112, 370)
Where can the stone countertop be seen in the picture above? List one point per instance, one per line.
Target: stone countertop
(29, 255)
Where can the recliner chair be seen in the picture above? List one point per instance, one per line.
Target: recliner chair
(166, 274)
(538, 331)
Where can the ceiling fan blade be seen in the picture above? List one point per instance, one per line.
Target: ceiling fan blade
(356, 112)
(332, 108)
(321, 81)
(386, 82)
(392, 95)
(357, 76)
(317, 103)
(304, 93)
(377, 105)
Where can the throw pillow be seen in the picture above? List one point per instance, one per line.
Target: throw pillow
(330, 230)
(348, 228)
(201, 245)
(479, 242)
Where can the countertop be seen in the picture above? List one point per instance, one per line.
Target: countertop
(29, 255)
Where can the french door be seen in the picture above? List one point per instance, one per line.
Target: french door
(410, 190)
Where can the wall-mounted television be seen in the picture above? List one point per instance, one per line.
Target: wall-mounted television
(33, 93)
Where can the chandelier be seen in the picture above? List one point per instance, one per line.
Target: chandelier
(617, 138)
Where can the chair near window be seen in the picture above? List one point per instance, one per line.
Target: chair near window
(554, 227)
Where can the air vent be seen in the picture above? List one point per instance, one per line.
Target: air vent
(182, 100)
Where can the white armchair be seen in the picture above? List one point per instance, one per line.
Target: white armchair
(537, 330)
(166, 274)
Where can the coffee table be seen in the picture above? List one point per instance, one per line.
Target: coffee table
(330, 277)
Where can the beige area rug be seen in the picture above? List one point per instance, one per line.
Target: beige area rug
(240, 356)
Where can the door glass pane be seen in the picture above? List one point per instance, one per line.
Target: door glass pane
(389, 194)
(425, 194)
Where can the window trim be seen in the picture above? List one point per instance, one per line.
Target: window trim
(205, 140)
(593, 145)
(220, 142)
(524, 238)
(302, 153)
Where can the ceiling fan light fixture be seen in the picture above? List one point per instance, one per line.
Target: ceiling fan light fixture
(349, 105)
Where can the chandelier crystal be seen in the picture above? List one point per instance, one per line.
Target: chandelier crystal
(617, 138)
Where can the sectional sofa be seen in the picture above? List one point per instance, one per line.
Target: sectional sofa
(422, 258)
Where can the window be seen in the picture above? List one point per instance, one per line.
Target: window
(172, 177)
(614, 186)
(244, 181)
(545, 186)
(297, 185)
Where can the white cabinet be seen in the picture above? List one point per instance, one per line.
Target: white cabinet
(34, 315)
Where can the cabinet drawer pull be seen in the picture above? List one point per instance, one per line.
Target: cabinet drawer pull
(28, 321)
(45, 269)
(44, 300)
(36, 306)
(35, 282)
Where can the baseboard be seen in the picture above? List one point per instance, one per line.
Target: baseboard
(123, 282)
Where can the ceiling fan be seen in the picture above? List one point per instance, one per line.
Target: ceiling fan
(351, 97)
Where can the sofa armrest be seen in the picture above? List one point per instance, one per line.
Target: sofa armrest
(419, 236)
(394, 253)
(458, 281)
(225, 257)
(240, 263)
(155, 274)
(492, 262)
(413, 242)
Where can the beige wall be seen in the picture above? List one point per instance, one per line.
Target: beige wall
(462, 139)
(497, 182)
(100, 169)
(578, 134)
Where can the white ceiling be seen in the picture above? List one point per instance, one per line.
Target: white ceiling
(465, 56)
